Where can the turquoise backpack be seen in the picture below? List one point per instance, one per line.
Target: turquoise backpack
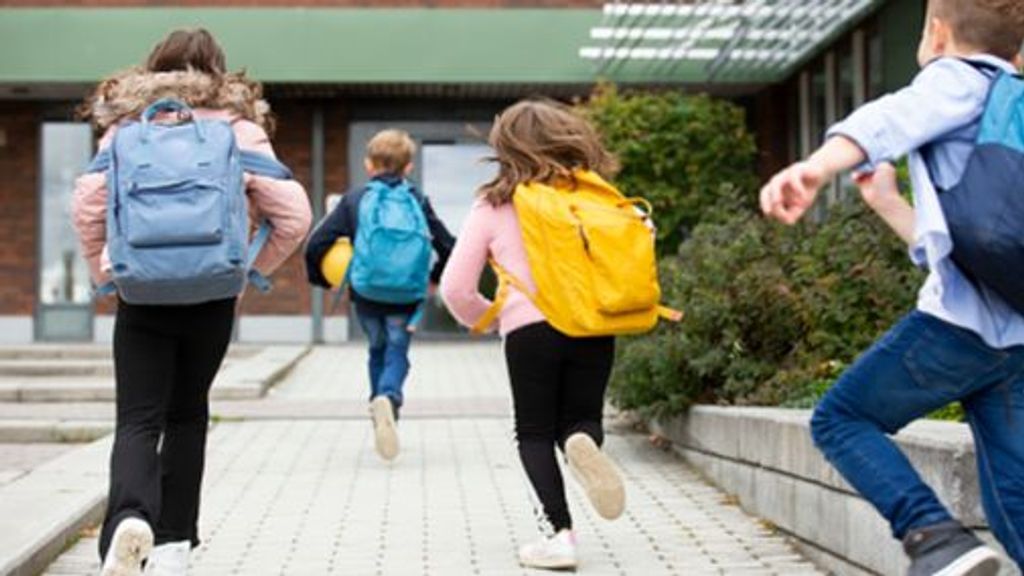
(391, 258)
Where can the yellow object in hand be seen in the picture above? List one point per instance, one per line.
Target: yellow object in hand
(336, 261)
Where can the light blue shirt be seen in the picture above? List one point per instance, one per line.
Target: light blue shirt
(936, 121)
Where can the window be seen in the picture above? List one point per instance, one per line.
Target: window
(847, 80)
(875, 62)
(451, 175)
(63, 274)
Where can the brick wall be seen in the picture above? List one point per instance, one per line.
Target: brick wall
(324, 3)
(19, 150)
(293, 144)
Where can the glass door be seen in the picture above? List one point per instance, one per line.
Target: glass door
(451, 172)
(64, 310)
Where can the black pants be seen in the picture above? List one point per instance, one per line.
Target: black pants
(165, 358)
(558, 386)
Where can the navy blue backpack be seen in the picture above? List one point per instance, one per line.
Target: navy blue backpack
(985, 211)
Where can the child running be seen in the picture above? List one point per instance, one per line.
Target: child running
(965, 341)
(392, 226)
(558, 381)
(166, 356)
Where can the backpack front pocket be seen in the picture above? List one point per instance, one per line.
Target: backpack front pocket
(620, 249)
(181, 213)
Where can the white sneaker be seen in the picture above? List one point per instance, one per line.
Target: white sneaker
(555, 553)
(597, 474)
(170, 559)
(385, 433)
(131, 543)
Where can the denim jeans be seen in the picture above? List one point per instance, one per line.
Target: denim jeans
(921, 365)
(389, 340)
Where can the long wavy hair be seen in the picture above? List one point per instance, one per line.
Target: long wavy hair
(542, 141)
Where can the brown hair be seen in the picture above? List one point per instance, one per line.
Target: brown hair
(188, 49)
(540, 141)
(390, 151)
(992, 26)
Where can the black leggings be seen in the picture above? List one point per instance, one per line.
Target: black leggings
(165, 358)
(558, 386)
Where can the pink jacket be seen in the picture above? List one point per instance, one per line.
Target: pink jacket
(283, 202)
(489, 232)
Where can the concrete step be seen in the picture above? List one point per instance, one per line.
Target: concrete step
(238, 379)
(42, 512)
(44, 367)
(92, 389)
(92, 351)
(53, 431)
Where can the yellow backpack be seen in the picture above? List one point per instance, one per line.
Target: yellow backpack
(591, 254)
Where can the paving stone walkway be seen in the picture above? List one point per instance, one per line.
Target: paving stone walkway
(298, 495)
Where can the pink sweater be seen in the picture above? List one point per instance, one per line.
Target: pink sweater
(282, 202)
(489, 232)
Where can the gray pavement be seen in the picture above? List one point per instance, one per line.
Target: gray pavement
(294, 487)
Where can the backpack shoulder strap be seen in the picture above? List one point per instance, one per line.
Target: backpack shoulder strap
(261, 282)
(265, 165)
(100, 162)
(506, 281)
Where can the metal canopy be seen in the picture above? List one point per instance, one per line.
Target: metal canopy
(731, 39)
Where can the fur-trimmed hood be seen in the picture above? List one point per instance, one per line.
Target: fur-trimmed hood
(127, 93)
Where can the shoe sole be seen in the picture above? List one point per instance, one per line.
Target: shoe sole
(554, 565)
(385, 434)
(131, 544)
(598, 476)
(982, 561)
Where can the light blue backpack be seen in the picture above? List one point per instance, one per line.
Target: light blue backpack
(391, 258)
(177, 213)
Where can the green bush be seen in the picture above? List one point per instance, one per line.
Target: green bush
(677, 151)
(773, 313)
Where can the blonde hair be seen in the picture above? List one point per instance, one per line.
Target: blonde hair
(391, 151)
(992, 26)
(541, 141)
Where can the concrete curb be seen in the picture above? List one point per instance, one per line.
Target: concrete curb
(255, 375)
(45, 510)
(766, 457)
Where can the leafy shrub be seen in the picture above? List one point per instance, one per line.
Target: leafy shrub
(773, 313)
(677, 151)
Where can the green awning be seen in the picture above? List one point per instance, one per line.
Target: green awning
(328, 46)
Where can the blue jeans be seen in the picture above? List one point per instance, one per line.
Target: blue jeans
(921, 365)
(389, 340)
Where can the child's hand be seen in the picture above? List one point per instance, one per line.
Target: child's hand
(789, 195)
(881, 193)
(878, 188)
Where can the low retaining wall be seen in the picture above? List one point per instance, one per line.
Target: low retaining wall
(765, 457)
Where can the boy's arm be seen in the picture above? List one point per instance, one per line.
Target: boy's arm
(946, 95)
(442, 240)
(334, 226)
(790, 193)
(880, 191)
